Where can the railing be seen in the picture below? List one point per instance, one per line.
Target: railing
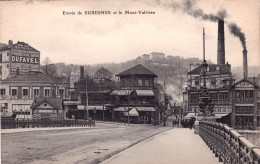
(227, 144)
(26, 123)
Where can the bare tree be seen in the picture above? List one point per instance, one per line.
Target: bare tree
(103, 73)
(49, 68)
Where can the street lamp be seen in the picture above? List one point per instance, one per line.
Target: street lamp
(205, 103)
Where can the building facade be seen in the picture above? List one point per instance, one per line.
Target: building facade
(246, 103)
(18, 57)
(136, 100)
(218, 82)
(19, 92)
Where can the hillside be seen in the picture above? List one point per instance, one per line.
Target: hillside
(171, 71)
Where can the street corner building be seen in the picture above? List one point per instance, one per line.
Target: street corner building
(137, 98)
(22, 82)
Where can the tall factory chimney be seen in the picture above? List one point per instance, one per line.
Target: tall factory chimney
(221, 42)
(245, 68)
(81, 72)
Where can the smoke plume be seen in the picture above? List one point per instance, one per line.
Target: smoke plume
(236, 31)
(188, 8)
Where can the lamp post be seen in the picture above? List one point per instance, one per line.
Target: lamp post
(205, 103)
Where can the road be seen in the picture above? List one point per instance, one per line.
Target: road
(91, 145)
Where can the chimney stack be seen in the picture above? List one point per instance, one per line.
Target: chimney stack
(221, 43)
(81, 72)
(245, 68)
(10, 43)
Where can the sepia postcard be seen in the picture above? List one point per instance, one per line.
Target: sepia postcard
(134, 81)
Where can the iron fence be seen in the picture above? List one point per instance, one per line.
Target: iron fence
(27, 123)
(227, 144)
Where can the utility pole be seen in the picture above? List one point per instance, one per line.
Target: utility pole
(86, 103)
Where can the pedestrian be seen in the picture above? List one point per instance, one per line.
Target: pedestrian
(191, 124)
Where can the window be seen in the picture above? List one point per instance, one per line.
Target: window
(7, 65)
(213, 81)
(220, 109)
(14, 92)
(61, 92)
(25, 92)
(2, 92)
(224, 110)
(1, 58)
(216, 109)
(47, 92)
(140, 82)
(35, 92)
(146, 82)
(196, 80)
(0, 69)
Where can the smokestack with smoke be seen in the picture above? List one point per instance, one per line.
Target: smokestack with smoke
(245, 68)
(188, 8)
(221, 43)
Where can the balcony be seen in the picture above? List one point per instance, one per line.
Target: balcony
(244, 100)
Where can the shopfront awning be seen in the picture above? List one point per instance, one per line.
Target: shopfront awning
(120, 109)
(121, 92)
(146, 109)
(91, 107)
(144, 93)
(71, 102)
(220, 115)
(132, 113)
(189, 116)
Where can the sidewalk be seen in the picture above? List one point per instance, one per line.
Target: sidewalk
(99, 124)
(19, 130)
(178, 146)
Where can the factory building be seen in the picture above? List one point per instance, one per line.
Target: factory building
(218, 82)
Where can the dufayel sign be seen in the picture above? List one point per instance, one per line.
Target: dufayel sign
(24, 59)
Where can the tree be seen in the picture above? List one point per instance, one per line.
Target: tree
(103, 73)
(49, 68)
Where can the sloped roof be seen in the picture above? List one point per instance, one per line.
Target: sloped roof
(255, 81)
(223, 69)
(60, 79)
(137, 70)
(30, 77)
(250, 80)
(27, 46)
(54, 102)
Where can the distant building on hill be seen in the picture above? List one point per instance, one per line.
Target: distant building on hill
(146, 56)
(157, 55)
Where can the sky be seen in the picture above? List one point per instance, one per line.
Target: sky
(97, 39)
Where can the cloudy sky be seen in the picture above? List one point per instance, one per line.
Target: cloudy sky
(93, 39)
